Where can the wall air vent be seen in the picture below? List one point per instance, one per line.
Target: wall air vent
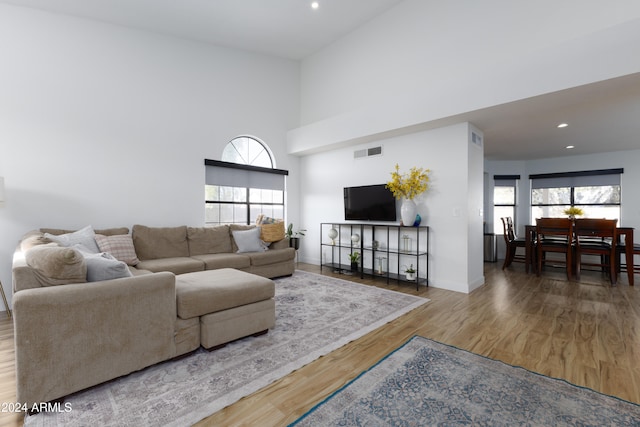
(476, 138)
(367, 152)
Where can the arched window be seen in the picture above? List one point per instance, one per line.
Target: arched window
(244, 184)
(247, 150)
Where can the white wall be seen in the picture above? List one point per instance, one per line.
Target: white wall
(425, 60)
(108, 126)
(456, 227)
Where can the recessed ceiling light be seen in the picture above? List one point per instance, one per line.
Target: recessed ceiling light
(563, 125)
(569, 147)
(315, 5)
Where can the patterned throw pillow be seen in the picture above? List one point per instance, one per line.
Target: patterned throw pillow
(120, 246)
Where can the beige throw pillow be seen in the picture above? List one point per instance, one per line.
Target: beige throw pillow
(56, 265)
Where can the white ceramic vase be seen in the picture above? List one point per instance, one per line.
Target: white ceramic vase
(408, 212)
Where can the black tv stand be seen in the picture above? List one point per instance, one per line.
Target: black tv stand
(385, 250)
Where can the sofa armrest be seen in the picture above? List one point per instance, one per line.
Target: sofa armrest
(280, 244)
(71, 337)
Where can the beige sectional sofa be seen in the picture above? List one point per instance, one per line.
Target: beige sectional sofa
(71, 334)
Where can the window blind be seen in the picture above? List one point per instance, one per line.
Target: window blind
(237, 175)
(577, 179)
(505, 180)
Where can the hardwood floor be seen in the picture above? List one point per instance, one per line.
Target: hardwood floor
(587, 333)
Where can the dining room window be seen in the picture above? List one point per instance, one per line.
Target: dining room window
(597, 193)
(504, 200)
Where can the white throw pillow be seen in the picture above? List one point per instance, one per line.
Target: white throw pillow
(249, 240)
(85, 237)
(103, 266)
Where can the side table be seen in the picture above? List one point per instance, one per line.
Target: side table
(4, 299)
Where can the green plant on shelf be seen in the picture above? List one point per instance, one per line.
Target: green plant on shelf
(291, 233)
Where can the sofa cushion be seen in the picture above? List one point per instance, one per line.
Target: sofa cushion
(160, 242)
(176, 265)
(209, 240)
(272, 256)
(280, 244)
(56, 265)
(85, 237)
(248, 240)
(211, 291)
(120, 246)
(105, 231)
(216, 261)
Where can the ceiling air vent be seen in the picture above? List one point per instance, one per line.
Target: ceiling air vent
(367, 152)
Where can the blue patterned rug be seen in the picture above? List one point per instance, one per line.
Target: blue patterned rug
(425, 383)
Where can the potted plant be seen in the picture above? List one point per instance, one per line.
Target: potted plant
(354, 257)
(293, 236)
(406, 186)
(410, 273)
(573, 212)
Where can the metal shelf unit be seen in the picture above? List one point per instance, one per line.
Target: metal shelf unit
(385, 250)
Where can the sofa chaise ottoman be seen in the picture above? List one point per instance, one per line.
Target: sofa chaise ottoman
(229, 303)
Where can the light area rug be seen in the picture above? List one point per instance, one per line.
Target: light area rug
(426, 383)
(315, 315)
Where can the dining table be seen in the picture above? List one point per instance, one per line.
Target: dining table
(621, 232)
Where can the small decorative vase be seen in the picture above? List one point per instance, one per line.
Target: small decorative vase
(333, 233)
(408, 212)
(411, 276)
(294, 242)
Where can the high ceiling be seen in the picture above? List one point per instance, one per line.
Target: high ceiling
(285, 28)
(602, 117)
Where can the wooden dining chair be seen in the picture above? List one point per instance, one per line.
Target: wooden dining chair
(554, 235)
(623, 266)
(594, 236)
(512, 243)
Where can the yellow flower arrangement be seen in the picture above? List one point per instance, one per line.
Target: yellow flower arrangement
(573, 212)
(408, 185)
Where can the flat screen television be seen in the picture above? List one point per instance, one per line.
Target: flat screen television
(369, 203)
